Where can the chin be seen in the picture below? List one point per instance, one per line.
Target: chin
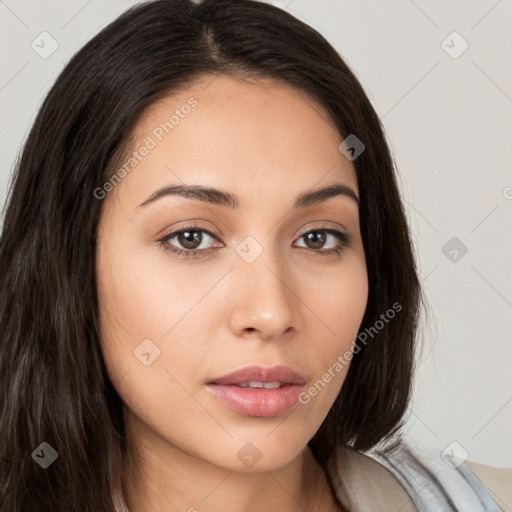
(255, 454)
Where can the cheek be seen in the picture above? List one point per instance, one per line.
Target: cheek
(153, 293)
(150, 332)
(339, 301)
(153, 327)
(153, 373)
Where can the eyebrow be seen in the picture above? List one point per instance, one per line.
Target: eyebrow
(221, 198)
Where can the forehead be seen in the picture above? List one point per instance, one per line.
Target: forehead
(239, 133)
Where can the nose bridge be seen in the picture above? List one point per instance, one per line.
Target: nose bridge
(264, 297)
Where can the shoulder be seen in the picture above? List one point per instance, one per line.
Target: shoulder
(497, 481)
(413, 477)
(360, 482)
(434, 477)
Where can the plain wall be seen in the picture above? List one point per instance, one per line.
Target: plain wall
(448, 120)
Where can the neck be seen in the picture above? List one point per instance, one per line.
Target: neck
(162, 477)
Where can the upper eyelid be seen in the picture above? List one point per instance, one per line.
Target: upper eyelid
(325, 227)
(195, 227)
(173, 233)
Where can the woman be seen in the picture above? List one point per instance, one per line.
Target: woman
(204, 225)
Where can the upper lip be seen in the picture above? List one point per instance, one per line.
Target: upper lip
(283, 374)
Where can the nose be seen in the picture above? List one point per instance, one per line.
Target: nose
(263, 297)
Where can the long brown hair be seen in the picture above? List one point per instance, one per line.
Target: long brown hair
(55, 387)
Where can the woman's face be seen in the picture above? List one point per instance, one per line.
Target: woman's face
(267, 288)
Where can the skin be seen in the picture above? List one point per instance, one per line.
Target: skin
(293, 305)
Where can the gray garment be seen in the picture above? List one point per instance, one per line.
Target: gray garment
(435, 484)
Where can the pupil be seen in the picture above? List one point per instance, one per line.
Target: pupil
(188, 241)
(318, 239)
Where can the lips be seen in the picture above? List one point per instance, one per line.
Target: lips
(257, 391)
(282, 374)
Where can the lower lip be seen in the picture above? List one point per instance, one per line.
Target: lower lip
(257, 402)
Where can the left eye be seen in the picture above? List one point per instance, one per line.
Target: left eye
(319, 240)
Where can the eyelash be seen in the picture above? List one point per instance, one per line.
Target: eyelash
(343, 241)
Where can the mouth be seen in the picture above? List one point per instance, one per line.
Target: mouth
(257, 391)
(260, 385)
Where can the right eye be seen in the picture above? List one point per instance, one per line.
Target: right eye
(190, 238)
